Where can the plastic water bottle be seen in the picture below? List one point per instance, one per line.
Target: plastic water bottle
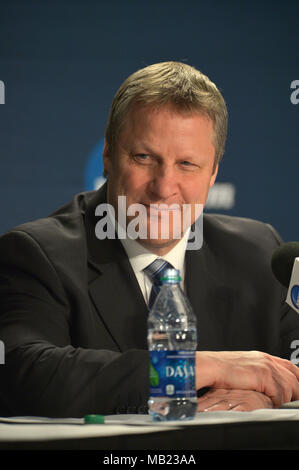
(172, 342)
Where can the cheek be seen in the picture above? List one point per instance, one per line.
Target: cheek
(193, 191)
(130, 184)
(196, 191)
(135, 181)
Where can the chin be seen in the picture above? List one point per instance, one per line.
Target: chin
(159, 246)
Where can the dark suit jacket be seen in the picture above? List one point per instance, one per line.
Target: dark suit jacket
(74, 321)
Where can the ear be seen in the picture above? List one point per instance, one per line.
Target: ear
(214, 175)
(106, 158)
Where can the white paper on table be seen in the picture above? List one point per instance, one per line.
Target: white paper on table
(42, 428)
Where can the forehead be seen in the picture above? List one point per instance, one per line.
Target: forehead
(145, 118)
(155, 109)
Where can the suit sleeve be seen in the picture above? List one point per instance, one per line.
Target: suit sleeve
(43, 373)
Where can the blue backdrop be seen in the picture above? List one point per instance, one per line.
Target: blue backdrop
(62, 61)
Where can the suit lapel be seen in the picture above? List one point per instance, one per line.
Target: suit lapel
(113, 285)
(199, 282)
(212, 297)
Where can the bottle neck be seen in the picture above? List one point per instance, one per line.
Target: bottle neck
(174, 286)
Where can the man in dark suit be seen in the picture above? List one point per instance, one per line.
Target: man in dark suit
(73, 313)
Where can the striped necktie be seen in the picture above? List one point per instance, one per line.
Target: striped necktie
(154, 271)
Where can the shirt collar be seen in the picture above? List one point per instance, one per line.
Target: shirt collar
(140, 257)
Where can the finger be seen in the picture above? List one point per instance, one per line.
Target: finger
(280, 383)
(220, 406)
(276, 377)
(284, 363)
(243, 407)
(291, 385)
(287, 364)
(273, 376)
(294, 370)
(233, 400)
(215, 399)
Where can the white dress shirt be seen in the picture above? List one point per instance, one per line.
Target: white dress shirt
(140, 258)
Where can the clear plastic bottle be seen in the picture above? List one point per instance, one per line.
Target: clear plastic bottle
(172, 342)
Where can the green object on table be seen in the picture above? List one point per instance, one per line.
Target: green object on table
(94, 419)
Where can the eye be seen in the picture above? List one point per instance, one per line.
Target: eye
(142, 158)
(186, 164)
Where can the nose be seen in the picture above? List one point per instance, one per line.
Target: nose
(164, 184)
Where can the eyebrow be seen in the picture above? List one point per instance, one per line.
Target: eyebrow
(142, 147)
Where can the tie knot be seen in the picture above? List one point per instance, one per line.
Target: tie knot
(155, 270)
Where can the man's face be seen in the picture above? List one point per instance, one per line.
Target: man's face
(161, 157)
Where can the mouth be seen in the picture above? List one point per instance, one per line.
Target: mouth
(162, 207)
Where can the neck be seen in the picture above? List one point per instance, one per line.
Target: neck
(159, 250)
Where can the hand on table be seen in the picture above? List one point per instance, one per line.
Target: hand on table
(277, 378)
(233, 400)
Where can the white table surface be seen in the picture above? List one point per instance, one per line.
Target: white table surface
(42, 428)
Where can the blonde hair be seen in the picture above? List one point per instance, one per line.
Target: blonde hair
(177, 84)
